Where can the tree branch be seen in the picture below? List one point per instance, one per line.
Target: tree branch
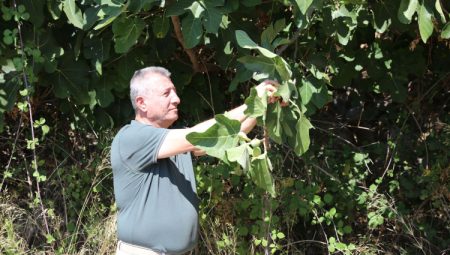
(189, 52)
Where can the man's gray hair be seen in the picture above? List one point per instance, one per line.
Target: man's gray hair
(138, 84)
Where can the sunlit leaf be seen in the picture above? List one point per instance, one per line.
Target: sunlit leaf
(425, 22)
(240, 155)
(73, 13)
(306, 91)
(302, 139)
(260, 174)
(256, 106)
(303, 5)
(406, 10)
(223, 135)
(438, 7)
(446, 31)
(245, 42)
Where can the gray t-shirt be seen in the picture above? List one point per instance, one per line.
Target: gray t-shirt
(156, 198)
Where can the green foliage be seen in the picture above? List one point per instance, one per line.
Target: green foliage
(370, 76)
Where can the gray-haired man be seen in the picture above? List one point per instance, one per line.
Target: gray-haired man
(154, 182)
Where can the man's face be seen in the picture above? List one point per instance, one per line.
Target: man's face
(161, 101)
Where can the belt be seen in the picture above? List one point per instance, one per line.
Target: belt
(132, 249)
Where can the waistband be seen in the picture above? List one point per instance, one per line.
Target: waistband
(135, 249)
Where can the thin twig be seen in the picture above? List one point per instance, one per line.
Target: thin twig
(27, 85)
(12, 155)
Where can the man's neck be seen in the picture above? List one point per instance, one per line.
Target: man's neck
(149, 122)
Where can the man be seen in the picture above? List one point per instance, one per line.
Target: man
(154, 182)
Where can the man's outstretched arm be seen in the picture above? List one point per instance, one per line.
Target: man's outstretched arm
(175, 141)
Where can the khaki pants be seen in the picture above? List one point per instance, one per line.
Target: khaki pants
(130, 249)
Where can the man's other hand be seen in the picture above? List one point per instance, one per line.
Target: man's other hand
(269, 87)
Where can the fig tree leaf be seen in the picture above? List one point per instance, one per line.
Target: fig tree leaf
(446, 31)
(258, 64)
(302, 141)
(212, 19)
(246, 42)
(126, 33)
(425, 22)
(438, 7)
(179, 7)
(260, 173)
(196, 9)
(55, 9)
(73, 13)
(303, 5)
(109, 13)
(283, 68)
(285, 90)
(240, 155)
(306, 91)
(71, 80)
(256, 106)
(192, 30)
(160, 27)
(406, 10)
(273, 122)
(223, 135)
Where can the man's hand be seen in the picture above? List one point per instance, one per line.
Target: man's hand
(269, 87)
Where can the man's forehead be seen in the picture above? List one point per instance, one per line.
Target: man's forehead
(159, 81)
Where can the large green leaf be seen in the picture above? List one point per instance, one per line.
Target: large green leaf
(55, 8)
(302, 140)
(220, 137)
(71, 80)
(73, 13)
(322, 97)
(271, 32)
(192, 30)
(244, 41)
(260, 173)
(259, 64)
(160, 27)
(137, 5)
(240, 155)
(283, 68)
(176, 8)
(256, 106)
(446, 31)
(306, 91)
(273, 122)
(108, 13)
(425, 21)
(286, 89)
(406, 10)
(438, 7)
(303, 5)
(213, 18)
(126, 33)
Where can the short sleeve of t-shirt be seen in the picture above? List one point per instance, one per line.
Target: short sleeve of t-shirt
(139, 145)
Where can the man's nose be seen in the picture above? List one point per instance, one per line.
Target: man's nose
(175, 99)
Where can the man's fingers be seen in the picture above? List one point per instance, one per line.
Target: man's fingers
(271, 82)
(284, 104)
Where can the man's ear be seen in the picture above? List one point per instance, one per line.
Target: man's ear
(140, 103)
